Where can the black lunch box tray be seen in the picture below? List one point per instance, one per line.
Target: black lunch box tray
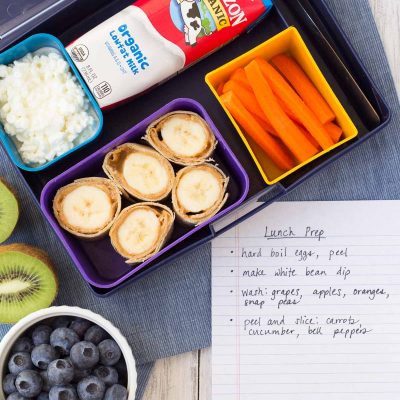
(75, 17)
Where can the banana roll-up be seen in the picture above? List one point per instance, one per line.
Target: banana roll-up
(183, 137)
(199, 193)
(88, 207)
(140, 172)
(141, 230)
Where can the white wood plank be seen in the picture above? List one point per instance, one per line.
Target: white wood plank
(205, 374)
(387, 16)
(174, 378)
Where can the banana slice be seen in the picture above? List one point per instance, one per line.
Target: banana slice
(140, 172)
(199, 193)
(141, 230)
(87, 207)
(182, 137)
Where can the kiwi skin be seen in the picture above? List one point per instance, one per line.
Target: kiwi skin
(8, 186)
(34, 252)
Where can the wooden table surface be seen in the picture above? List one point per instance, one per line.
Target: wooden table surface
(188, 376)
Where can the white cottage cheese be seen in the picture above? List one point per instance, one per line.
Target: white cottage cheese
(43, 107)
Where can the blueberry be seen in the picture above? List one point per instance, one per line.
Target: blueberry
(91, 388)
(116, 392)
(62, 339)
(60, 322)
(23, 344)
(110, 352)
(43, 355)
(108, 375)
(95, 334)
(79, 374)
(29, 383)
(19, 362)
(41, 335)
(9, 384)
(60, 372)
(43, 396)
(80, 326)
(15, 396)
(45, 380)
(66, 392)
(84, 355)
(120, 366)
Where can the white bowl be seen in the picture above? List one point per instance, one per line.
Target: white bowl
(32, 319)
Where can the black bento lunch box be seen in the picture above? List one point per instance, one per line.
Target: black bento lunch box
(323, 37)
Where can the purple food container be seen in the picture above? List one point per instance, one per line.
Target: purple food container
(98, 262)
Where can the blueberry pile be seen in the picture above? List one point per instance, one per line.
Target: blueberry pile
(68, 359)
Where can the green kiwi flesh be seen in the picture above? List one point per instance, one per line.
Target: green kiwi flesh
(27, 281)
(9, 211)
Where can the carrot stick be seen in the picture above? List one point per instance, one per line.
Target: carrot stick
(304, 87)
(220, 88)
(292, 100)
(288, 111)
(335, 131)
(271, 147)
(266, 126)
(290, 135)
(248, 99)
(240, 77)
(308, 135)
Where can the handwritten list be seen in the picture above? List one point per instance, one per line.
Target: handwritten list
(306, 303)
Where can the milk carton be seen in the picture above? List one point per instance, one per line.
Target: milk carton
(152, 40)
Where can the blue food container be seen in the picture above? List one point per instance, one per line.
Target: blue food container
(45, 44)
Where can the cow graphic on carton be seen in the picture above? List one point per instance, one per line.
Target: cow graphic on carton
(195, 21)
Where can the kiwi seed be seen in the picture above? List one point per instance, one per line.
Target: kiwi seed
(28, 281)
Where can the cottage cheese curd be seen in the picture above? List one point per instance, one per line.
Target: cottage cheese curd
(43, 107)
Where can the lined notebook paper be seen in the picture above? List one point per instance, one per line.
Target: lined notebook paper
(306, 303)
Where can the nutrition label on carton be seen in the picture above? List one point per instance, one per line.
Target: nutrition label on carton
(306, 303)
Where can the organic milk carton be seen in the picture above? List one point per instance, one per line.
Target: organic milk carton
(152, 40)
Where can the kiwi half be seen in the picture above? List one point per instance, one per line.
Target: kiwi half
(28, 281)
(9, 211)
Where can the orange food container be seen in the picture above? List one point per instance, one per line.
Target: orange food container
(290, 42)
